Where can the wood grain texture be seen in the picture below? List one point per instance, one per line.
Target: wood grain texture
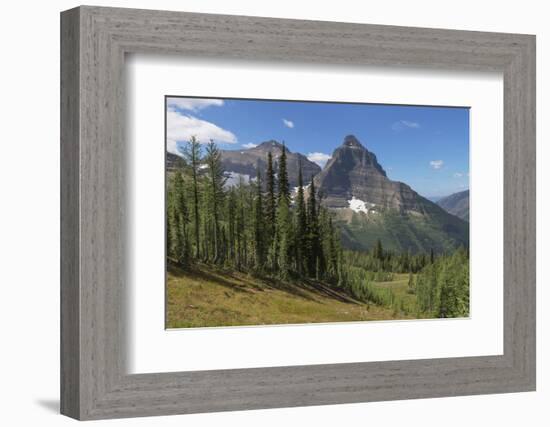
(94, 381)
(70, 220)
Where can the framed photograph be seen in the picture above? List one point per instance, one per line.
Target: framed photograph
(260, 234)
(262, 213)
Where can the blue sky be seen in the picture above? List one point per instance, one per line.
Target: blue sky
(425, 147)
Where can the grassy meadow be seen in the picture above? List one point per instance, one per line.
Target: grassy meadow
(207, 297)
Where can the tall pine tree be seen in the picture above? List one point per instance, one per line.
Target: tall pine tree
(314, 244)
(271, 213)
(216, 181)
(284, 222)
(259, 228)
(174, 237)
(284, 187)
(301, 225)
(331, 252)
(271, 202)
(231, 226)
(192, 153)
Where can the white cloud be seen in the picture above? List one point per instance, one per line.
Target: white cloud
(172, 147)
(288, 123)
(249, 145)
(409, 124)
(404, 124)
(320, 158)
(181, 127)
(193, 104)
(436, 164)
(458, 175)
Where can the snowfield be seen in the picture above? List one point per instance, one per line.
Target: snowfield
(358, 205)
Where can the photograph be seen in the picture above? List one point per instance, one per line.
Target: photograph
(292, 212)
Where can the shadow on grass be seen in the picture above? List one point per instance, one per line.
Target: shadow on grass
(302, 289)
(326, 290)
(219, 277)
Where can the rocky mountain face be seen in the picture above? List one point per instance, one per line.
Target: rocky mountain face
(353, 172)
(370, 206)
(457, 204)
(246, 162)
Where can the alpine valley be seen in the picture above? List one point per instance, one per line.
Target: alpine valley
(265, 236)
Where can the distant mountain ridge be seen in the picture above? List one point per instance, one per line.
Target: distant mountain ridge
(246, 162)
(457, 204)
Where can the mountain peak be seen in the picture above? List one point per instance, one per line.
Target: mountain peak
(354, 172)
(270, 145)
(352, 141)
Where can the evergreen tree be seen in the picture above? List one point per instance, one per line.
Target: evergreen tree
(177, 221)
(284, 187)
(170, 252)
(326, 245)
(231, 225)
(216, 181)
(271, 212)
(173, 236)
(341, 273)
(447, 293)
(181, 207)
(271, 202)
(332, 250)
(192, 153)
(283, 238)
(301, 225)
(284, 225)
(378, 251)
(240, 226)
(313, 232)
(259, 228)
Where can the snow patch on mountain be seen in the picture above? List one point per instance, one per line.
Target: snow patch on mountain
(234, 178)
(358, 205)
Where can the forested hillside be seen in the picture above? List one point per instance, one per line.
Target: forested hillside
(286, 241)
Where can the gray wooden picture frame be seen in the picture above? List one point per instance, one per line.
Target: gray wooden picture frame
(94, 41)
